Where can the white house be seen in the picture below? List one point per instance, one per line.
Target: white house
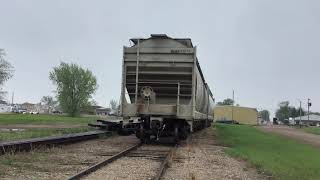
(314, 120)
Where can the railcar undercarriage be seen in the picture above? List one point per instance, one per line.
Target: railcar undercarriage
(155, 128)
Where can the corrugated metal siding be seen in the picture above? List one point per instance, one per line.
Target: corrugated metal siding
(243, 115)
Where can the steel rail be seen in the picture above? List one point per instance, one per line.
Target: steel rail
(164, 164)
(30, 144)
(103, 163)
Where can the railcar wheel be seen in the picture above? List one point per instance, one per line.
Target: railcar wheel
(140, 133)
(183, 134)
(176, 133)
(144, 137)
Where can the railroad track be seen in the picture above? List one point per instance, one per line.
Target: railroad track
(30, 144)
(159, 154)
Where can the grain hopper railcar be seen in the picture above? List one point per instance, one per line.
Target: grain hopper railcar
(163, 88)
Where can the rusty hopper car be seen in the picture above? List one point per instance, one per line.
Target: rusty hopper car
(163, 88)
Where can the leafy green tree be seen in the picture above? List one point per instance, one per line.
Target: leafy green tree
(285, 111)
(90, 108)
(225, 102)
(6, 71)
(114, 106)
(75, 87)
(265, 115)
(297, 113)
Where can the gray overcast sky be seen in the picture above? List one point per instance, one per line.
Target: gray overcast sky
(266, 50)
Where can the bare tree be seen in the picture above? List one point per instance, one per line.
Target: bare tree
(113, 105)
(49, 101)
(6, 71)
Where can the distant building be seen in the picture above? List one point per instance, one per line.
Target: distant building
(314, 120)
(30, 107)
(101, 111)
(242, 115)
(3, 102)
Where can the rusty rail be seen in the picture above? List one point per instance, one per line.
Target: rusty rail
(164, 164)
(103, 163)
(30, 144)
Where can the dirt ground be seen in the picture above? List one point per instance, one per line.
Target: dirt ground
(293, 133)
(200, 158)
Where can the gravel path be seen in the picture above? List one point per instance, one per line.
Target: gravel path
(63, 162)
(293, 133)
(200, 158)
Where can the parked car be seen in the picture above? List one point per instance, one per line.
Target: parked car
(113, 113)
(56, 112)
(21, 111)
(34, 112)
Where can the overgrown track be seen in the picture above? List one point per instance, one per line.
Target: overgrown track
(30, 144)
(137, 151)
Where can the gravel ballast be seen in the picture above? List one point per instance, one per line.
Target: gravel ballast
(142, 163)
(200, 158)
(62, 162)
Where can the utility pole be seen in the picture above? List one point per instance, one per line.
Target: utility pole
(137, 73)
(12, 98)
(300, 114)
(232, 104)
(309, 104)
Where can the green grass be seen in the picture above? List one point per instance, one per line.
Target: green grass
(7, 162)
(313, 130)
(283, 158)
(22, 161)
(7, 119)
(34, 133)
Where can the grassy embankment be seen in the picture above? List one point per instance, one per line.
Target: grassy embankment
(72, 125)
(281, 157)
(9, 119)
(35, 133)
(313, 130)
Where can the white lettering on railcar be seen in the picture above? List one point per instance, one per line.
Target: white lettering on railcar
(181, 51)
